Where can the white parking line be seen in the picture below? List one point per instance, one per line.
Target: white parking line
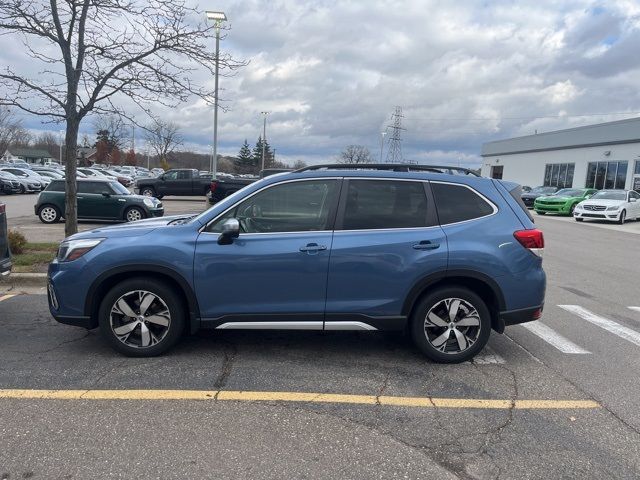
(554, 338)
(6, 297)
(487, 357)
(609, 325)
(635, 309)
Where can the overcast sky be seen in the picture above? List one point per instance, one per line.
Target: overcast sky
(464, 72)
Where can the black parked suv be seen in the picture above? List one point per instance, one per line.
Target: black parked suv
(5, 253)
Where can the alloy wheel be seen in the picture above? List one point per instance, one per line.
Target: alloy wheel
(48, 214)
(133, 215)
(140, 319)
(452, 325)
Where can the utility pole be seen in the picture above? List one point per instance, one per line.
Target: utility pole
(382, 134)
(394, 154)
(217, 18)
(264, 136)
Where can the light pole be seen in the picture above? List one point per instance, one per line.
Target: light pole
(382, 134)
(217, 18)
(264, 136)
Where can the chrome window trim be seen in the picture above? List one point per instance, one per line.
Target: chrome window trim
(493, 205)
(315, 179)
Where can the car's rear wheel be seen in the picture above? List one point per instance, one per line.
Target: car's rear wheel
(623, 217)
(451, 325)
(133, 214)
(141, 317)
(49, 214)
(148, 192)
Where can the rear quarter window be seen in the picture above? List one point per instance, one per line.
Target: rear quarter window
(457, 203)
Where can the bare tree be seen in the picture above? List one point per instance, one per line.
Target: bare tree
(112, 127)
(355, 154)
(94, 51)
(49, 142)
(11, 129)
(163, 138)
(299, 164)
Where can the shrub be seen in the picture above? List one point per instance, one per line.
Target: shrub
(17, 242)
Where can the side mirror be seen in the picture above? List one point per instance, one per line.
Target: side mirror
(162, 178)
(633, 200)
(230, 230)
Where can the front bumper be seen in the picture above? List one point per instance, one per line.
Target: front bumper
(613, 216)
(551, 208)
(156, 212)
(64, 298)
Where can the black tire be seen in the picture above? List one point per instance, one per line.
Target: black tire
(572, 209)
(541, 213)
(148, 192)
(579, 219)
(49, 214)
(167, 295)
(623, 216)
(479, 334)
(133, 214)
(23, 190)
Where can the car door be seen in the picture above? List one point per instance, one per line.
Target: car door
(168, 183)
(274, 275)
(92, 203)
(386, 241)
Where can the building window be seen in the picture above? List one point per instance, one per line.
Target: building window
(559, 175)
(606, 175)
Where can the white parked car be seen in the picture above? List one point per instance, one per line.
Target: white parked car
(29, 180)
(611, 205)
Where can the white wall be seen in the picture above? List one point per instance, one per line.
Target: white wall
(528, 168)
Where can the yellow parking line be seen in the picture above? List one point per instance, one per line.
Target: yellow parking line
(6, 297)
(243, 396)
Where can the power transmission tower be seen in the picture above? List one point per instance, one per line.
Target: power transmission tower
(394, 151)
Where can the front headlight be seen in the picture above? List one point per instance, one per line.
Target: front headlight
(579, 206)
(611, 209)
(70, 250)
(148, 202)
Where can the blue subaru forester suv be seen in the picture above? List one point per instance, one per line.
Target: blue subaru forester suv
(438, 252)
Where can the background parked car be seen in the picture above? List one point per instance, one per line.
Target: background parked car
(529, 198)
(96, 174)
(97, 200)
(5, 253)
(9, 184)
(181, 181)
(30, 181)
(611, 205)
(563, 202)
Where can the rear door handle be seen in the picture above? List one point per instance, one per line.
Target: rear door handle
(312, 248)
(426, 245)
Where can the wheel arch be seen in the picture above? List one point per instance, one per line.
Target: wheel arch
(110, 278)
(477, 282)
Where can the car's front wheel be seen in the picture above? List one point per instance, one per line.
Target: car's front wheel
(134, 214)
(141, 317)
(148, 192)
(623, 217)
(451, 325)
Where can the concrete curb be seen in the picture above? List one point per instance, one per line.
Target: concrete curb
(19, 280)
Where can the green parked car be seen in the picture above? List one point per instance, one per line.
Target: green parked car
(97, 200)
(563, 201)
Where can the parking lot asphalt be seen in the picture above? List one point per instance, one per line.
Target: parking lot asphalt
(173, 420)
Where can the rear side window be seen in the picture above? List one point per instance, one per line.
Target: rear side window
(56, 186)
(375, 204)
(457, 203)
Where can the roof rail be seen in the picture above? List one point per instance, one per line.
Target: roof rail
(395, 167)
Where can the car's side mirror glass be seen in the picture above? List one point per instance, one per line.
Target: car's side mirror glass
(230, 230)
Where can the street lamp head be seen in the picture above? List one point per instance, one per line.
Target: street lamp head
(216, 16)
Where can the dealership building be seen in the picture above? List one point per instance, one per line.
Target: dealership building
(606, 155)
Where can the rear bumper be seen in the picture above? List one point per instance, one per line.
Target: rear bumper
(515, 317)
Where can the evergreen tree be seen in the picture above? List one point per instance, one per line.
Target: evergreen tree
(257, 154)
(245, 158)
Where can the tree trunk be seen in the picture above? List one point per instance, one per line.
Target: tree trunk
(71, 203)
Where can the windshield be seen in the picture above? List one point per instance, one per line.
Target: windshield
(569, 192)
(119, 188)
(610, 195)
(5, 174)
(543, 190)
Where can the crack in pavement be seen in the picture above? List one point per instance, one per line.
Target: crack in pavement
(230, 352)
(383, 387)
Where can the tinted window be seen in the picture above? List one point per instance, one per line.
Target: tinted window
(374, 204)
(56, 186)
(456, 203)
(290, 207)
(171, 175)
(184, 175)
(94, 187)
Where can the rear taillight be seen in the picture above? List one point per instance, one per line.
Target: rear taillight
(214, 185)
(532, 240)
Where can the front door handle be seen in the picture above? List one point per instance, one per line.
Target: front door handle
(312, 248)
(426, 245)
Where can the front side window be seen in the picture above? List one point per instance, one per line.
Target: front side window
(304, 206)
(378, 204)
(457, 203)
(171, 175)
(95, 188)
